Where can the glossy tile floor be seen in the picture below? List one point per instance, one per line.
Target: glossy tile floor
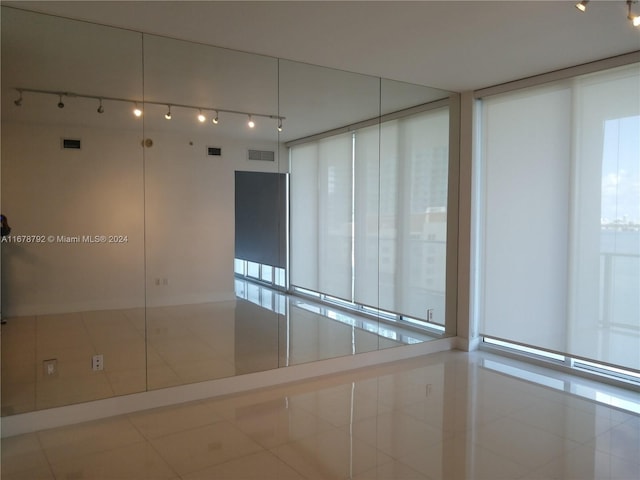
(447, 416)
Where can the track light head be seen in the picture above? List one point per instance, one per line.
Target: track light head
(635, 19)
(100, 107)
(136, 110)
(214, 120)
(60, 104)
(201, 117)
(279, 124)
(251, 123)
(18, 101)
(168, 114)
(582, 6)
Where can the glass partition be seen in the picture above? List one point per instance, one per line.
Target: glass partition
(181, 244)
(72, 193)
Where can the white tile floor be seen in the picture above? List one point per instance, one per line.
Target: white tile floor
(444, 416)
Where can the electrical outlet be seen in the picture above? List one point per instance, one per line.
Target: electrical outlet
(430, 315)
(97, 363)
(157, 281)
(50, 367)
(165, 281)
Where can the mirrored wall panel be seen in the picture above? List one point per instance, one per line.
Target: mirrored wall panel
(73, 195)
(199, 102)
(413, 195)
(182, 213)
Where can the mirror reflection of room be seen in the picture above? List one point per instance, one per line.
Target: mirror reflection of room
(254, 213)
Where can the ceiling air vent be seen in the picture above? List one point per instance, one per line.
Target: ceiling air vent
(70, 143)
(214, 151)
(262, 155)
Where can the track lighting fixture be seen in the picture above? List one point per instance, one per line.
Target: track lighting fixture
(582, 6)
(137, 111)
(635, 19)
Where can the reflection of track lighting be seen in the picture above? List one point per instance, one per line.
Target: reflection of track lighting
(138, 112)
(635, 19)
(582, 6)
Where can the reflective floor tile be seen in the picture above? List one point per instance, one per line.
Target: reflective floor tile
(163, 421)
(258, 466)
(521, 443)
(331, 455)
(460, 458)
(199, 448)
(139, 461)
(393, 470)
(22, 453)
(587, 463)
(65, 443)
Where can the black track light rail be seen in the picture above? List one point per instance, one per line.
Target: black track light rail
(100, 98)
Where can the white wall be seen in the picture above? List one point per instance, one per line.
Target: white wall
(49, 191)
(174, 204)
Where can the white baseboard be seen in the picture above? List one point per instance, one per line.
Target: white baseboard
(119, 304)
(60, 308)
(468, 345)
(189, 299)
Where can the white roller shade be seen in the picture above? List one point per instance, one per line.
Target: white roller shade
(561, 208)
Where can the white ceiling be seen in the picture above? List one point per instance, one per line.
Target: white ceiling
(453, 45)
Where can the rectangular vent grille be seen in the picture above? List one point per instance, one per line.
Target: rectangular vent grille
(214, 151)
(262, 155)
(71, 143)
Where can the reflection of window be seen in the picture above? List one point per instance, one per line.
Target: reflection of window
(363, 206)
(253, 270)
(272, 276)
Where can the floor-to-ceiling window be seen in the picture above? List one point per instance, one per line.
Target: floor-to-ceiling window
(560, 222)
